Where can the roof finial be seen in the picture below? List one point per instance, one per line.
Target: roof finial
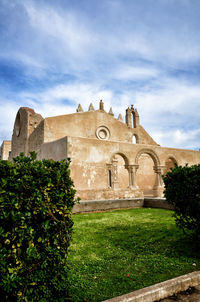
(120, 118)
(111, 112)
(91, 107)
(79, 109)
(101, 105)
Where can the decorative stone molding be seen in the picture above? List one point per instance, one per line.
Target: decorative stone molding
(132, 175)
(103, 133)
(150, 152)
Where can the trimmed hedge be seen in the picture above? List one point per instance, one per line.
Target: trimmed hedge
(36, 199)
(182, 190)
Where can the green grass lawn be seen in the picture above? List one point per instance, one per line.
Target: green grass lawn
(117, 252)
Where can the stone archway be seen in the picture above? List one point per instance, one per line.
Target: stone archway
(149, 172)
(170, 163)
(118, 174)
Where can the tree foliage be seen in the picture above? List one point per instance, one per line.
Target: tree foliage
(182, 190)
(36, 199)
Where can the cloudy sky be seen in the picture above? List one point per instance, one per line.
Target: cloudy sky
(56, 54)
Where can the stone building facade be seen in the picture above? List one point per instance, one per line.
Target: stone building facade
(110, 159)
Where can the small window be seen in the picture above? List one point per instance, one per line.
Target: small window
(134, 139)
(110, 178)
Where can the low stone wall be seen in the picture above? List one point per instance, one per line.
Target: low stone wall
(103, 205)
(113, 204)
(157, 202)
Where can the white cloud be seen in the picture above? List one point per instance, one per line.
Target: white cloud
(179, 138)
(64, 33)
(102, 51)
(167, 114)
(54, 100)
(127, 72)
(7, 117)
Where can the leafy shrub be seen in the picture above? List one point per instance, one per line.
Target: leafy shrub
(36, 199)
(182, 190)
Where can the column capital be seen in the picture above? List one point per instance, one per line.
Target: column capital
(159, 169)
(109, 165)
(131, 167)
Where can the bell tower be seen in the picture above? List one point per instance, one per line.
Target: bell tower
(132, 117)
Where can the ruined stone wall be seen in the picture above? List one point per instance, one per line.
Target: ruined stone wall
(36, 138)
(5, 150)
(25, 123)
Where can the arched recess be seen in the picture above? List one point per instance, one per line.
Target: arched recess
(170, 163)
(147, 177)
(118, 176)
(151, 153)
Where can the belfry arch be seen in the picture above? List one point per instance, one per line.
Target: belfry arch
(135, 139)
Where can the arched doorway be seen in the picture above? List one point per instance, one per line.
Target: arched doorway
(118, 176)
(147, 172)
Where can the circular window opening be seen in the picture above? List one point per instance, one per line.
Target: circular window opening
(103, 133)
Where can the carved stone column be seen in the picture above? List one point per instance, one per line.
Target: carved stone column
(158, 174)
(160, 185)
(159, 170)
(114, 173)
(135, 167)
(132, 175)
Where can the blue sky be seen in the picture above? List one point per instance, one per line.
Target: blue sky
(56, 54)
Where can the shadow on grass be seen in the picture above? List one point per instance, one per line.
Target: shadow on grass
(170, 242)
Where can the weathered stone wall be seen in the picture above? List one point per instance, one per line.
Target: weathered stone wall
(56, 150)
(36, 138)
(106, 162)
(5, 150)
(25, 123)
(88, 125)
(91, 161)
(144, 137)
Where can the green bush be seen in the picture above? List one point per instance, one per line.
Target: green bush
(36, 199)
(182, 190)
